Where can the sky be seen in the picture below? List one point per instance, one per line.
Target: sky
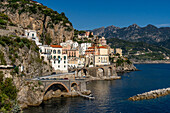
(91, 14)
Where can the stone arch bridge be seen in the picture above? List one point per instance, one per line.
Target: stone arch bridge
(64, 85)
(100, 71)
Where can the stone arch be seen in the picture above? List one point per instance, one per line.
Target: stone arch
(85, 71)
(110, 71)
(100, 72)
(79, 73)
(74, 86)
(82, 72)
(55, 86)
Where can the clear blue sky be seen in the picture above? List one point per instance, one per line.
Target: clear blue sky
(90, 14)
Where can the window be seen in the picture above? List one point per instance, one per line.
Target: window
(54, 57)
(58, 66)
(64, 57)
(59, 58)
(64, 66)
(32, 35)
(28, 34)
(54, 62)
(59, 62)
(99, 57)
(64, 62)
(54, 51)
(59, 52)
(40, 50)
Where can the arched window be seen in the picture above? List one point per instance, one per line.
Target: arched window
(59, 52)
(54, 51)
(59, 58)
(64, 57)
(54, 57)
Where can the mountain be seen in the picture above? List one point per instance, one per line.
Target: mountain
(140, 50)
(165, 44)
(51, 26)
(150, 33)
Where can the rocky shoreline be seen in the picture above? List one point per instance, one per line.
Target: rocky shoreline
(126, 68)
(152, 62)
(151, 94)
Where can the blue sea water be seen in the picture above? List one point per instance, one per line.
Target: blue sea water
(112, 96)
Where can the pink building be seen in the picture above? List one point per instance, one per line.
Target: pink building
(95, 50)
(72, 53)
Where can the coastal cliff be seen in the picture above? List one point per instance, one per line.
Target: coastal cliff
(125, 67)
(23, 54)
(51, 26)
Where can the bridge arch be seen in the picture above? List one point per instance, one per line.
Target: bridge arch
(55, 86)
(110, 71)
(82, 72)
(74, 86)
(100, 72)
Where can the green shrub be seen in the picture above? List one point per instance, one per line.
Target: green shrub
(1, 77)
(2, 59)
(16, 69)
(39, 83)
(2, 43)
(3, 22)
(21, 44)
(119, 62)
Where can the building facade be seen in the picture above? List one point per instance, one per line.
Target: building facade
(83, 47)
(32, 35)
(55, 56)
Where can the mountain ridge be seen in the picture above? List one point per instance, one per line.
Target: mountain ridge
(149, 34)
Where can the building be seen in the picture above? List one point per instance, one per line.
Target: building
(75, 45)
(32, 35)
(72, 53)
(59, 60)
(100, 55)
(83, 47)
(54, 55)
(73, 62)
(102, 41)
(102, 58)
(45, 52)
(119, 51)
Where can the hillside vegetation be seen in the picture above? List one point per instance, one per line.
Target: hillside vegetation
(28, 14)
(145, 51)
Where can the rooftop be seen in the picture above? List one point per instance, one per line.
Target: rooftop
(56, 46)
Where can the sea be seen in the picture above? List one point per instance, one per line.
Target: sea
(112, 96)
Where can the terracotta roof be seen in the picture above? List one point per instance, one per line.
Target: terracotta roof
(89, 51)
(97, 47)
(102, 47)
(91, 47)
(56, 46)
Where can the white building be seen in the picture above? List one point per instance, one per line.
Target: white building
(53, 53)
(45, 52)
(75, 45)
(32, 35)
(59, 60)
(68, 42)
(84, 47)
